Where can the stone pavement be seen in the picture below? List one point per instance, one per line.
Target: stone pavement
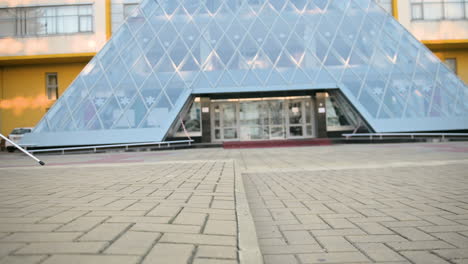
(169, 213)
(400, 203)
(401, 215)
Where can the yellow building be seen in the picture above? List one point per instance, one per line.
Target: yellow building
(44, 44)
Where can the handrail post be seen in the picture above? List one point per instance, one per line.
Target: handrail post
(22, 150)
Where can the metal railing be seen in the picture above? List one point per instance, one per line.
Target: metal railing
(126, 146)
(411, 135)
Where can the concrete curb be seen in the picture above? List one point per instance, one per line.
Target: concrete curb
(249, 250)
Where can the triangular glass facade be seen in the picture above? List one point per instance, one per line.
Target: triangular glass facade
(169, 49)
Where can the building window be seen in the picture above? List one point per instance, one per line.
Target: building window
(52, 86)
(439, 9)
(386, 4)
(451, 64)
(128, 9)
(46, 20)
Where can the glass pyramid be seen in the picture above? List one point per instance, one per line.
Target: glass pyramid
(135, 87)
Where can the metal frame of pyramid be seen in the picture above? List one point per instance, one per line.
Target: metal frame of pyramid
(135, 87)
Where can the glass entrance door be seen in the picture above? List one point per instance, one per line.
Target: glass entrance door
(225, 121)
(277, 119)
(296, 119)
(262, 119)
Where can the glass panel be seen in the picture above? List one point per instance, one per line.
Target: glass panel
(75, 94)
(217, 134)
(217, 116)
(175, 88)
(136, 112)
(141, 71)
(157, 114)
(276, 112)
(116, 72)
(57, 116)
(192, 120)
(295, 113)
(84, 114)
(308, 111)
(110, 113)
(229, 115)
(296, 131)
(277, 132)
(230, 133)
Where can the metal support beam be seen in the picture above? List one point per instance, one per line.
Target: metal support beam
(205, 103)
(321, 115)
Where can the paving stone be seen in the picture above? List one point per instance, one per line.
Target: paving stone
(63, 217)
(169, 253)
(214, 261)
(338, 257)
(423, 257)
(133, 243)
(335, 243)
(197, 219)
(116, 213)
(223, 205)
(215, 227)
(338, 232)
(280, 259)
(290, 249)
(199, 239)
(105, 232)
(19, 220)
(375, 229)
(419, 245)
(453, 239)
(222, 217)
(413, 234)
(7, 248)
(42, 237)
(296, 227)
(339, 223)
(443, 229)
(62, 248)
(272, 241)
(406, 223)
(139, 219)
(91, 259)
(28, 227)
(166, 228)
(83, 224)
(452, 253)
(216, 252)
(22, 259)
(299, 238)
(380, 252)
(460, 261)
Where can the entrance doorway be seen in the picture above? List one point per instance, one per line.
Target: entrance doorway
(262, 119)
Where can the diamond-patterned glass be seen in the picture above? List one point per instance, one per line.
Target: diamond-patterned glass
(166, 50)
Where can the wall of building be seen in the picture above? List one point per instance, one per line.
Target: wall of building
(24, 100)
(57, 44)
(462, 60)
(431, 30)
(117, 10)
